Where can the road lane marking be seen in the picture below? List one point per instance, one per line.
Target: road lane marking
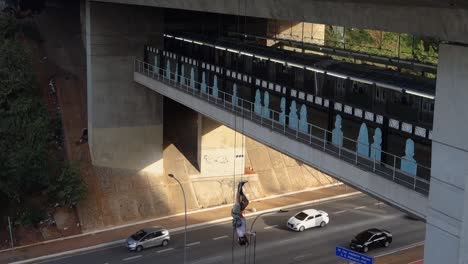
(269, 227)
(340, 212)
(193, 244)
(221, 237)
(379, 203)
(286, 240)
(298, 258)
(164, 250)
(359, 207)
(134, 257)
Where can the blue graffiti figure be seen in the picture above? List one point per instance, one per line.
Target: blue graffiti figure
(215, 86)
(266, 105)
(408, 163)
(258, 103)
(168, 69)
(282, 117)
(182, 74)
(376, 147)
(192, 78)
(203, 83)
(363, 141)
(303, 126)
(293, 119)
(234, 95)
(337, 134)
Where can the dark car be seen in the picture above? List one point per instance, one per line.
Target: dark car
(371, 238)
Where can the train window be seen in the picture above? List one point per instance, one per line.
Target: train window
(298, 78)
(340, 87)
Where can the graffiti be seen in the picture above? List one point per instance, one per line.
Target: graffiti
(219, 159)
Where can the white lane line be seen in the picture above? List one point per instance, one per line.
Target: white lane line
(401, 249)
(286, 240)
(359, 207)
(134, 257)
(164, 250)
(221, 237)
(193, 244)
(298, 258)
(269, 227)
(379, 203)
(340, 212)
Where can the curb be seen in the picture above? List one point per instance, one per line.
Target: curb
(190, 227)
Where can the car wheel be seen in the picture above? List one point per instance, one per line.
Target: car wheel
(139, 248)
(365, 249)
(386, 244)
(302, 228)
(165, 243)
(323, 224)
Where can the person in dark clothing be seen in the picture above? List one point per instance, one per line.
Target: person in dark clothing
(237, 213)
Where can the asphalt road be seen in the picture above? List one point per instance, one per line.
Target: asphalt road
(275, 244)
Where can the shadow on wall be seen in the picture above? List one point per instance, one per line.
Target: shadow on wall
(180, 128)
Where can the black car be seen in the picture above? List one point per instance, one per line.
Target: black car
(371, 238)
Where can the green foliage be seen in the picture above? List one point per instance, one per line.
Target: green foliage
(30, 216)
(24, 131)
(389, 44)
(8, 28)
(67, 188)
(31, 167)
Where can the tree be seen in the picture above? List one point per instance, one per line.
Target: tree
(24, 132)
(67, 188)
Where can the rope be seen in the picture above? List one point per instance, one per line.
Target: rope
(235, 144)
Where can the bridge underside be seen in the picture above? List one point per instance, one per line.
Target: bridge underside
(445, 20)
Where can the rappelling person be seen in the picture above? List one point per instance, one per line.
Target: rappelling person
(237, 213)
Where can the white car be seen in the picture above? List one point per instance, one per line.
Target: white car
(307, 219)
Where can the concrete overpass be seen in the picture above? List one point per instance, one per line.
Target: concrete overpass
(116, 33)
(446, 20)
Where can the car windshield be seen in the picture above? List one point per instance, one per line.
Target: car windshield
(364, 236)
(301, 216)
(139, 235)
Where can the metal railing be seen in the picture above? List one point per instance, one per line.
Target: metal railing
(315, 136)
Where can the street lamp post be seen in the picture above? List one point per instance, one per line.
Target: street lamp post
(253, 223)
(185, 209)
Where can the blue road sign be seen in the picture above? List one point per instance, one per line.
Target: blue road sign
(353, 256)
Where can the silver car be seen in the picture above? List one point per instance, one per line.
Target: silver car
(148, 237)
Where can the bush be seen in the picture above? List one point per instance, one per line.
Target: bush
(30, 217)
(67, 188)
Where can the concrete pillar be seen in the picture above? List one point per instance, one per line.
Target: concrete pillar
(447, 219)
(222, 150)
(124, 119)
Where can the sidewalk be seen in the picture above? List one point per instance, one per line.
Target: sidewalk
(409, 256)
(197, 217)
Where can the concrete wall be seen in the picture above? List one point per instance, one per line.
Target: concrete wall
(447, 20)
(124, 119)
(279, 173)
(365, 181)
(447, 220)
(222, 149)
